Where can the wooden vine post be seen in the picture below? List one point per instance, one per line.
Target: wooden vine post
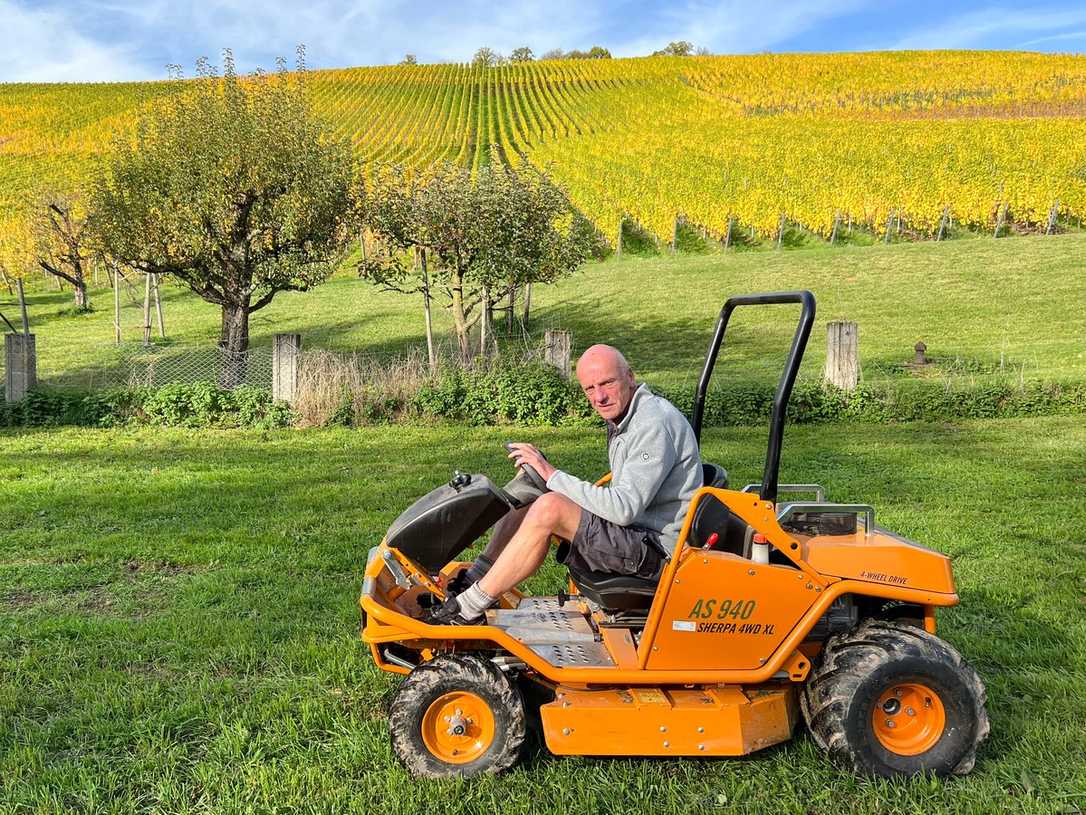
(286, 350)
(116, 304)
(22, 306)
(842, 355)
(158, 310)
(147, 309)
(942, 224)
(675, 235)
(1001, 213)
(618, 239)
(20, 365)
(484, 319)
(1053, 214)
(780, 232)
(556, 350)
(728, 236)
(420, 261)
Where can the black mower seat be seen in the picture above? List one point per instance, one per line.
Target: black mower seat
(620, 592)
(615, 592)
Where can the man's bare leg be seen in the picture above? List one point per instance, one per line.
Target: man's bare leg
(525, 551)
(520, 556)
(503, 533)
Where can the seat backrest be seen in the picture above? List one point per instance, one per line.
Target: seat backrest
(712, 517)
(713, 475)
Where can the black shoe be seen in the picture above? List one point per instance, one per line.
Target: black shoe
(448, 613)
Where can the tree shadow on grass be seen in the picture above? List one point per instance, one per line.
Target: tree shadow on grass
(755, 346)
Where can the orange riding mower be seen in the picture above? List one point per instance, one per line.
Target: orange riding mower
(767, 610)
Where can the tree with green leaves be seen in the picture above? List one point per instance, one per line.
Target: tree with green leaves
(233, 187)
(522, 54)
(481, 236)
(680, 48)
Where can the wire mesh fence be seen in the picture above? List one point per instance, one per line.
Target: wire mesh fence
(137, 365)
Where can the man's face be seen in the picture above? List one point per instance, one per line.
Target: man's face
(609, 389)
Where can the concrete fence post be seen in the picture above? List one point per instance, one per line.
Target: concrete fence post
(556, 350)
(843, 355)
(20, 365)
(285, 353)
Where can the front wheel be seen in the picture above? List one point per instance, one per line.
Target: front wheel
(890, 699)
(457, 716)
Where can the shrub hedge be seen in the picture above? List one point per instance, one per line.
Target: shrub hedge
(535, 395)
(198, 404)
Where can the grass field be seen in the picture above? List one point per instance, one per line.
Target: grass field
(178, 621)
(1010, 307)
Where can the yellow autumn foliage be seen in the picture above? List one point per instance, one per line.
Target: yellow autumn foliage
(747, 139)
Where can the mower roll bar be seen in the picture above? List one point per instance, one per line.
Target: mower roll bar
(784, 387)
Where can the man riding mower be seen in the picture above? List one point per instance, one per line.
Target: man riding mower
(708, 639)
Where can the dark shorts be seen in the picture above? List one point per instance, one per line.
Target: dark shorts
(601, 546)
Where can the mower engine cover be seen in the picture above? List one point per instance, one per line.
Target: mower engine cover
(446, 521)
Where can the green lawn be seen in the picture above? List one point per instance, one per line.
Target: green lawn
(1011, 305)
(178, 612)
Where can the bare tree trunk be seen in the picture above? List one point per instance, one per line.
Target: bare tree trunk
(234, 342)
(82, 302)
(527, 304)
(512, 306)
(459, 319)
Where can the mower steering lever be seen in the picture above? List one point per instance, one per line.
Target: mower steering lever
(533, 477)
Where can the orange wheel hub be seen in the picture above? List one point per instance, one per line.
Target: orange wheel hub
(908, 719)
(458, 727)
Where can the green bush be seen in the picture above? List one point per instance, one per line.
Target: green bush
(535, 394)
(531, 394)
(811, 402)
(199, 404)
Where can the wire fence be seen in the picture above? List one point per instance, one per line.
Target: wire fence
(135, 365)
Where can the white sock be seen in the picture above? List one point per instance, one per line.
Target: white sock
(474, 602)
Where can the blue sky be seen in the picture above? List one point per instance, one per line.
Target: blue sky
(96, 40)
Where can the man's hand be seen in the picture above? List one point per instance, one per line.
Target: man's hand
(522, 453)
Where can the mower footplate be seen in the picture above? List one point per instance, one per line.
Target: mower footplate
(560, 634)
(711, 721)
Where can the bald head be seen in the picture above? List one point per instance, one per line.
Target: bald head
(604, 355)
(606, 380)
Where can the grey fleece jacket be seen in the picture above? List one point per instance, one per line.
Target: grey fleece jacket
(655, 470)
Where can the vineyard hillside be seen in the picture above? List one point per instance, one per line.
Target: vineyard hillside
(913, 141)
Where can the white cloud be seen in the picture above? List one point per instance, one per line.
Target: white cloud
(989, 26)
(1070, 35)
(45, 45)
(343, 32)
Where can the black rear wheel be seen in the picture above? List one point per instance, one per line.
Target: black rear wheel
(457, 715)
(890, 699)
